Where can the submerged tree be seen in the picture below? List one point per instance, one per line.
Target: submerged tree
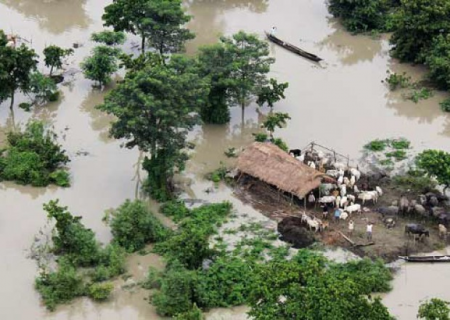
(435, 309)
(158, 22)
(155, 108)
(101, 64)
(249, 68)
(16, 65)
(110, 38)
(417, 23)
(272, 93)
(54, 55)
(436, 163)
(274, 120)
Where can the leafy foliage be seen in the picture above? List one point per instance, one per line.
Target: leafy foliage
(420, 94)
(416, 181)
(272, 93)
(155, 108)
(16, 66)
(100, 291)
(445, 105)
(157, 22)
(133, 226)
(438, 61)
(398, 81)
(110, 38)
(101, 64)
(361, 15)
(194, 314)
(436, 163)
(274, 120)
(418, 22)
(435, 309)
(54, 55)
(60, 286)
(33, 157)
(43, 88)
(72, 239)
(111, 263)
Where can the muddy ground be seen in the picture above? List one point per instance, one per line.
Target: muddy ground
(388, 243)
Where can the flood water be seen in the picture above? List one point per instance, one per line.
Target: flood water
(342, 104)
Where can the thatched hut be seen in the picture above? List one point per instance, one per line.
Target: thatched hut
(268, 163)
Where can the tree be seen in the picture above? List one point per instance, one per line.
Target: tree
(54, 55)
(435, 309)
(418, 22)
(275, 120)
(109, 38)
(215, 64)
(438, 60)
(272, 93)
(436, 163)
(16, 65)
(101, 64)
(361, 15)
(159, 22)
(250, 65)
(155, 108)
(304, 289)
(43, 88)
(133, 226)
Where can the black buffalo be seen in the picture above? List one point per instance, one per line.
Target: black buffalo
(416, 229)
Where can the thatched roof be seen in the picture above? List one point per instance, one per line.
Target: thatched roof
(274, 166)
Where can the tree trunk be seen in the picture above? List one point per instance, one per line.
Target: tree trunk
(12, 99)
(142, 44)
(243, 113)
(51, 71)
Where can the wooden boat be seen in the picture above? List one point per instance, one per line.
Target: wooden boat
(293, 48)
(445, 258)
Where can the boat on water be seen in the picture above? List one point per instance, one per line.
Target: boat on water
(292, 48)
(445, 258)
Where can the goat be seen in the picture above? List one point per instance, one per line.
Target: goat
(313, 223)
(343, 216)
(295, 152)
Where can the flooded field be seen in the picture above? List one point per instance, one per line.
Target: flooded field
(342, 103)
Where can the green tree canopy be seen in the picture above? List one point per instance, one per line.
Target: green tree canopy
(435, 309)
(155, 108)
(101, 64)
(275, 120)
(250, 66)
(361, 15)
(54, 55)
(272, 93)
(158, 22)
(438, 60)
(436, 163)
(16, 65)
(110, 38)
(418, 22)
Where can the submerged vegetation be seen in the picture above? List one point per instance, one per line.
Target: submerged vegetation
(33, 157)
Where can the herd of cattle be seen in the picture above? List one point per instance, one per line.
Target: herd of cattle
(341, 196)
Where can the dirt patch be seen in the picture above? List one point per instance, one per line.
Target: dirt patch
(388, 243)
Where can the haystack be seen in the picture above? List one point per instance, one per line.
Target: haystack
(268, 163)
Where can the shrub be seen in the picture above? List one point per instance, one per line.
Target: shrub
(400, 144)
(101, 64)
(438, 60)
(397, 154)
(176, 295)
(395, 81)
(377, 145)
(194, 314)
(110, 38)
(44, 88)
(111, 263)
(435, 309)
(227, 282)
(72, 239)
(60, 286)
(416, 181)
(133, 226)
(445, 105)
(33, 157)
(175, 209)
(420, 94)
(100, 291)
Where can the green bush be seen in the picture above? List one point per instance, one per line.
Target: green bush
(419, 94)
(110, 38)
(111, 263)
(438, 61)
(175, 209)
(101, 64)
(72, 239)
(133, 226)
(100, 291)
(194, 314)
(227, 282)
(396, 81)
(397, 154)
(377, 145)
(33, 157)
(60, 286)
(416, 181)
(177, 292)
(399, 144)
(445, 105)
(435, 309)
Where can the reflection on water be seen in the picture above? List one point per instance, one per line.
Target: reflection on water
(55, 16)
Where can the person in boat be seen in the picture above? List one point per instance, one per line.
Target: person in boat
(273, 31)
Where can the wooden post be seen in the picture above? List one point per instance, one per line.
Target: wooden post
(304, 203)
(292, 199)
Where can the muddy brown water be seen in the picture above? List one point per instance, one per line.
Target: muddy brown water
(340, 103)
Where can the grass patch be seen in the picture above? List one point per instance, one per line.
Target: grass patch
(377, 145)
(398, 155)
(419, 94)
